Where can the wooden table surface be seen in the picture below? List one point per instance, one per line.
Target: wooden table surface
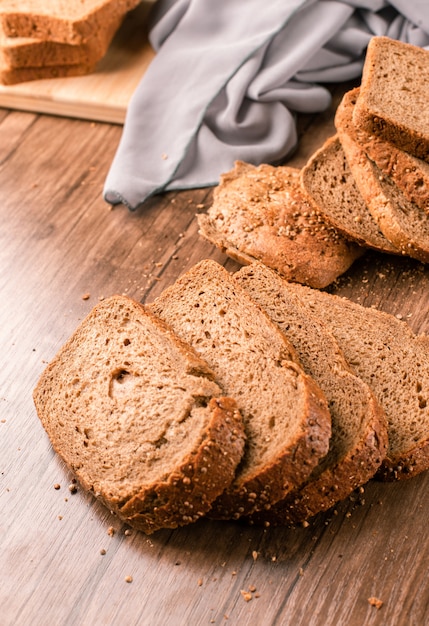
(64, 559)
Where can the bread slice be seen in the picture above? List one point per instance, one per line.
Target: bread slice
(261, 213)
(60, 20)
(387, 355)
(286, 417)
(29, 52)
(137, 415)
(401, 221)
(394, 95)
(408, 173)
(359, 431)
(13, 76)
(332, 190)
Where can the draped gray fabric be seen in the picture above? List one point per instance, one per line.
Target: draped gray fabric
(229, 78)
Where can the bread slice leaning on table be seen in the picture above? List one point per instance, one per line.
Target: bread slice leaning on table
(138, 417)
(286, 416)
(359, 431)
(331, 188)
(262, 214)
(401, 221)
(393, 361)
(407, 172)
(394, 95)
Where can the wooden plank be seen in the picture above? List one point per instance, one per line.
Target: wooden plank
(59, 241)
(102, 95)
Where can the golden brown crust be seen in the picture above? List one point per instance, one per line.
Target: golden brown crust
(336, 482)
(135, 413)
(261, 213)
(187, 494)
(285, 472)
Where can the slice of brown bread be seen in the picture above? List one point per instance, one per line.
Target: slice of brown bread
(60, 20)
(138, 417)
(13, 76)
(401, 221)
(394, 95)
(359, 431)
(20, 52)
(261, 213)
(286, 417)
(386, 354)
(410, 174)
(332, 189)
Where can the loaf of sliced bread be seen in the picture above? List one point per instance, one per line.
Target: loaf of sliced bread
(394, 95)
(331, 188)
(20, 52)
(387, 355)
(60, 20)
(410, 174)
(359, 431)
(137, 416)
(261, 213)
(401, 221)
(285, 413)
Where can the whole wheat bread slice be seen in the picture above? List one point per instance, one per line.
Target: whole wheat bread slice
(359, 431)
(261, 213)
(137, 416)
(286, 417)
(404, 223)
(29, 52)
(410, 174)
(60, 20)
(331, 188)
(387, 355)
(394, 95)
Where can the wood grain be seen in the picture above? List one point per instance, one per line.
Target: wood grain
(59, 244)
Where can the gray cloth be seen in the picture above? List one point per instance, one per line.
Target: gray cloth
(229, 78)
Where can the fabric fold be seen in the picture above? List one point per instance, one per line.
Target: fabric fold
(227, 85)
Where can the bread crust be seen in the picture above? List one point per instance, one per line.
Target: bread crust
(359, 441)
(136, 414)
(385, 353)
(325, 172)
(60, 20)
(401, 221)
(409, 173)
(201, 307)
(377, 112)
(261, 213)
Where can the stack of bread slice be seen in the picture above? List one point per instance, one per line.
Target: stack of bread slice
(55, 38)
(367, 187)
(236, 396)
(372, 178)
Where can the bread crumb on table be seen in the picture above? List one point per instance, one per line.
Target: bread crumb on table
(376, 602)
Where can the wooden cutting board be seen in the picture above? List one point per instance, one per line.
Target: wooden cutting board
(100, 96)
